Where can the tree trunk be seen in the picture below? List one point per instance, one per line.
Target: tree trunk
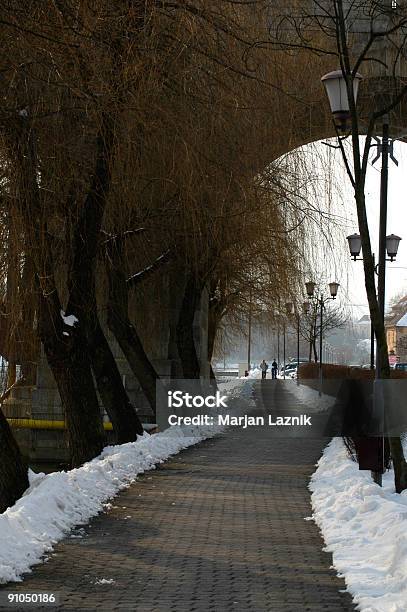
(82, 292)
(66, 355)
(69, 363)
(399, 464)
(28, 328)
(382, 357)
(125, 333)
(185, 329)
(133, 350)
(214, 318)
(126, 424)
(11, 298)
(13, 471)
(213, 323)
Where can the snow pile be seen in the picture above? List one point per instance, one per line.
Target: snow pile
(365, 527)
(56, 502)
(253, 373)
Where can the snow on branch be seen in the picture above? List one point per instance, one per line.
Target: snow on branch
(143, 274)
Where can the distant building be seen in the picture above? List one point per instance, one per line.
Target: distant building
(396, 329)
(362, 327)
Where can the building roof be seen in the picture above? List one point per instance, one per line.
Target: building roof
(398, 311)
(402, 322)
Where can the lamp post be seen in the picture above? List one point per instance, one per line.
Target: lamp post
(391, 249)
(289, 312)
(338, 88)
(337, 91)
(298, 344)
(321, 301)
(306, 307)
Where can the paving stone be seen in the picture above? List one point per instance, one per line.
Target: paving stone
(235, 540)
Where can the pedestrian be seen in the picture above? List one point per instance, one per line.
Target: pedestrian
(264, 367)
(274, 368)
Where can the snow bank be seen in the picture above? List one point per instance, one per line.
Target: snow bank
(253, 373)
(365, 527)
(57, 502)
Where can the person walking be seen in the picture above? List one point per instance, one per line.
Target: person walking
(274, 368)
(264, 367)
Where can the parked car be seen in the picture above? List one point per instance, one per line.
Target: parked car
(289, 369)
(401, 366)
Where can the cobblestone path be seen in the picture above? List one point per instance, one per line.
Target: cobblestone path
(218, 528)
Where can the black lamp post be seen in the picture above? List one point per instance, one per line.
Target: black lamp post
(289, 312)
(336, 86)
(306, 307)
(391, 249)
(321, 301)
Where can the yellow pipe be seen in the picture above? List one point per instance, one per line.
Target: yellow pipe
(44, 424)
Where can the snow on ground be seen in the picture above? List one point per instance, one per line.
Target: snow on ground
(56, 502)
(307, 395)
(253, 373)
(365, 527)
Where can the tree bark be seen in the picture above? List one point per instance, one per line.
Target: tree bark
(214, 318)
(13, 471)
(129, 341)
(82, 292)
(70, 365)
(126, 424)
(28, 327)
(66, 355)
(399, 464)
(213, 323)
(185, 329)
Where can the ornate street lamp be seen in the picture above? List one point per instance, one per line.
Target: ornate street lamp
(335, 87)
(355, 245)
(333, 289)
(306, 307)
(310, 288)
(392, 246)
(321, 301)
